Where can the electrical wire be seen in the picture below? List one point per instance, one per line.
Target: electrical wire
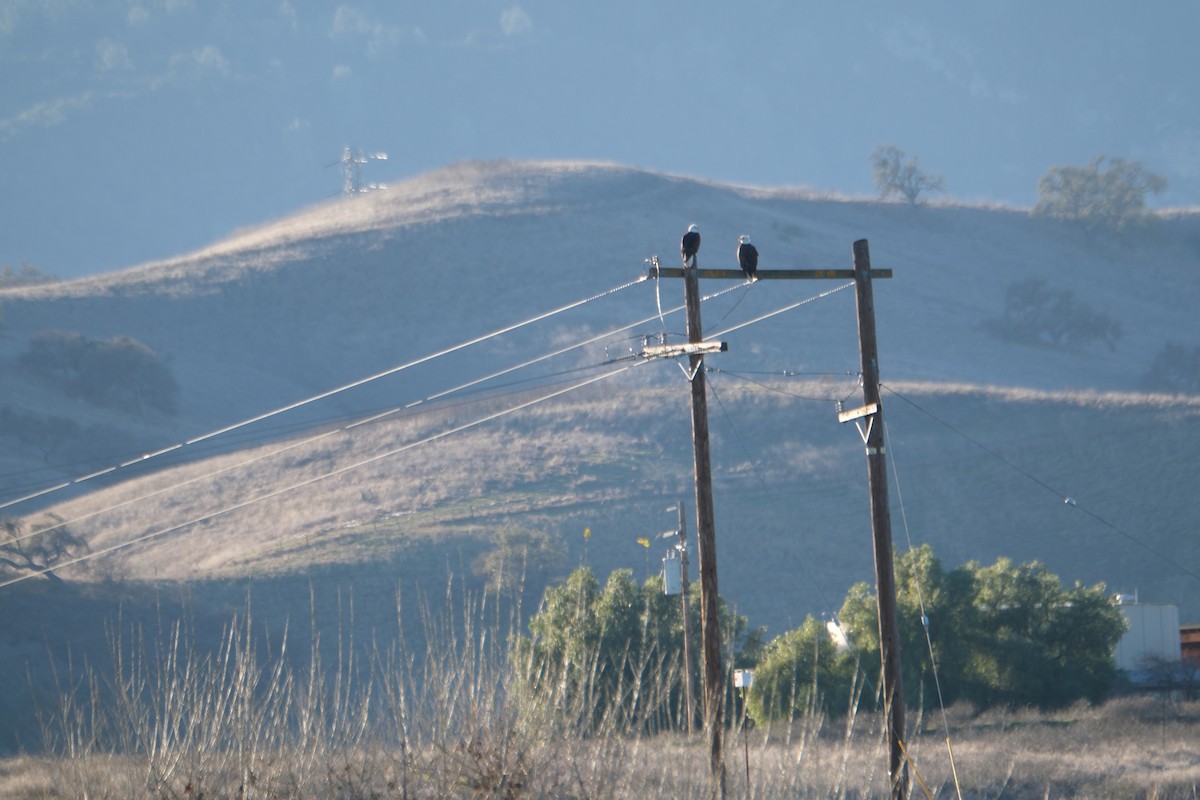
(742, 376)
(937, 681)
(260, 434)
(777, 312)
(310, 481)
(138, 458)
(271, 432)
(373, 418)
(737, 435)
(1066, 499)
(824, 599)
(739, 326)
(367, 420)
(738, 302)
(321, 396)
(546, 356)
(355, 423)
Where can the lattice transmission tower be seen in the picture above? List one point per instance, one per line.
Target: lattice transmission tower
(352, 163)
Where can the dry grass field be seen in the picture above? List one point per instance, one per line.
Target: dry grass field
(1127, 748)
(453, 717)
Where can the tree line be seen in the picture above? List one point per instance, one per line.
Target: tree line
(1006, 634)
(1104, 193)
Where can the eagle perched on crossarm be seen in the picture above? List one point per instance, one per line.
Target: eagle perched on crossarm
(747, 255)
(690, 245)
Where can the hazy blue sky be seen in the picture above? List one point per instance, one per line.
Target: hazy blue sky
(138, 129)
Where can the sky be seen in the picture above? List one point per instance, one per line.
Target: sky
(136, 130)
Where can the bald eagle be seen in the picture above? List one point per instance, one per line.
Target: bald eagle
(690, 245)
(747, 255)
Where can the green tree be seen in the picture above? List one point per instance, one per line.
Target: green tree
(616, 652)
(925, 595)
(1111, 197)
(800, 671)
(1045, 646)
(1007, 634)
(896, 177)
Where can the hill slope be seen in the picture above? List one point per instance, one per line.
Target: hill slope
(988, 434)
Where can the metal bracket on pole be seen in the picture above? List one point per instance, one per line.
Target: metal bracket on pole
(686, 349)
(856, 416)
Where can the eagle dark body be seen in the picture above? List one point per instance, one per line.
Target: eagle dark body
(690, 245)
(747, 255)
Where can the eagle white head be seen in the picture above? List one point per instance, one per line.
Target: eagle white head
(743, 239)
(693, 228)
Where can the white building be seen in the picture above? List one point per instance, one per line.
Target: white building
(1153, 631)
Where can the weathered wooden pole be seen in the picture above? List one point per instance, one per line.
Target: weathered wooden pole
(881, 525)
(706, 543)
(688, 705)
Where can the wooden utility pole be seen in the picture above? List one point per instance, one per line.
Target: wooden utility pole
(706, 543)
(881, 524)
(688, 706)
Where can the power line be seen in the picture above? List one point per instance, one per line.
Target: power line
(318, 478)
(275, 432)
(373, 418)
(829, 611)
(365, 421)
(775, 313)
(937, 681)
(592, 340)
(546, 356)
(742, 376)
(139, 458)
(323, 395)
(1066, 499)
(737, 434)
(415, 362)
(356, 423)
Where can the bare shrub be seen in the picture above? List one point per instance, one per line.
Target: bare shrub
(896, 177)
(39, 550)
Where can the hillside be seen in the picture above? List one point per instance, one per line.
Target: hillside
(988, 434)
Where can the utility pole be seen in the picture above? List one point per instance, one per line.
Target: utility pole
(881, 525)
(706, 537)
(688, 705)
(706, 543)
(352, 161)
